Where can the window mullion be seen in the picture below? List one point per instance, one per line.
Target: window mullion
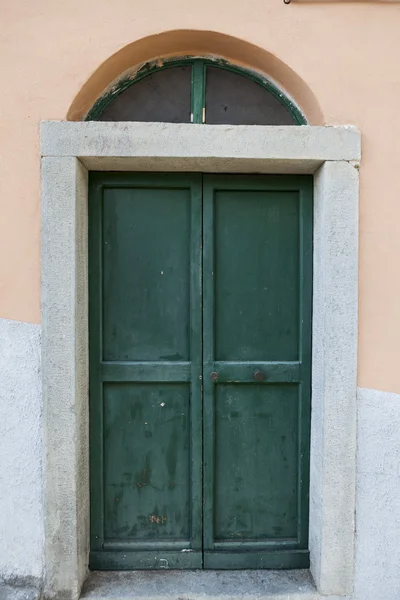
(198, 91)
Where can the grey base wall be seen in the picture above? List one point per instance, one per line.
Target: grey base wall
(377, 575)
(377, 552)
(21, 515)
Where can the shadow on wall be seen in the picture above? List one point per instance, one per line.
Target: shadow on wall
(194, 43)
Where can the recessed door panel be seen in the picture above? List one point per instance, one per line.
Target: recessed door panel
(256, 459)
(146, 461)
(257, 265)
(146, 274)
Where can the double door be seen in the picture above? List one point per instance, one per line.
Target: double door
(200, 343)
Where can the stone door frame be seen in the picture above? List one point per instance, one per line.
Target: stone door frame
(332, 154)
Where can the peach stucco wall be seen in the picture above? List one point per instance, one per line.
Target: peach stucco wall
(339, 60)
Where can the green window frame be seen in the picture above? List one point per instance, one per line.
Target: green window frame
(198, 87)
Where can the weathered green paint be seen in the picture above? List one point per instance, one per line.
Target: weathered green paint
(199, 74)
(200, 350)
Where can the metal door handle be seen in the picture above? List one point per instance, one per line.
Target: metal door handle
(258, 375)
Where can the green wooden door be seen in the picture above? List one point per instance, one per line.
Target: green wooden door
(257, 237)
(200, 344)
(145, 392)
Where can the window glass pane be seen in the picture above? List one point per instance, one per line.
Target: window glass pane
(162, 96)
(234, 99)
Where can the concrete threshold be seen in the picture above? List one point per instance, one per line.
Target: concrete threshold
(202, 585)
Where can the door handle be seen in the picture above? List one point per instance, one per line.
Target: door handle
(258, 375)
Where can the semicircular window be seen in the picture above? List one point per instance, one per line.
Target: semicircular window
(197, 91)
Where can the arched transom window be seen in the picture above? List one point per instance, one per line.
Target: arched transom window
(196, 91)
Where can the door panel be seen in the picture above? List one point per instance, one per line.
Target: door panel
(146, 461)
(146, 286)
(145, 371)
(257, 266)
(256, 439)
(257, 234)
